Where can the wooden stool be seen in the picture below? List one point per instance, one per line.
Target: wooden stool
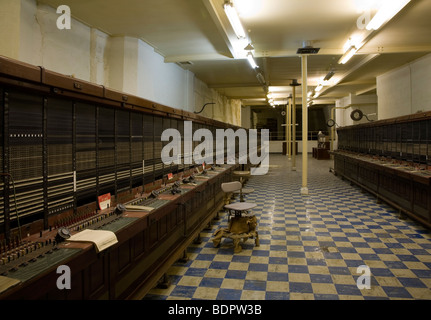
(243, 175)
(242, 192)
(240, 228)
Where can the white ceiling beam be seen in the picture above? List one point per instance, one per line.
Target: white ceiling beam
(407, 49)
(234, 85)
(198, 57)
(218, 20)
(359, 65)
(218, 15)
(366, 90)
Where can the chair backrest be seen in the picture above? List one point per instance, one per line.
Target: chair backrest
(231, 186)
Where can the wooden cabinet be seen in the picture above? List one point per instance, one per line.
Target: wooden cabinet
(391, 159)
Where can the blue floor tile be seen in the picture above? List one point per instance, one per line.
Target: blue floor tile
(258, 267)
(348, 289)
(321, 278)
(255, 285)
(183, 291)
(396, 292)
(300, 287)
(278, 276)
(298, 269)
(276, 295)
(211, 282)
(235, 274)
(229, 294)
(411, 282)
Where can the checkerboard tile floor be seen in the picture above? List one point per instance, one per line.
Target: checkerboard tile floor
(310, 246)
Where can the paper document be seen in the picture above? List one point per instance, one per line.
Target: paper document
(130, 207)
(102, 239)
(6, 283)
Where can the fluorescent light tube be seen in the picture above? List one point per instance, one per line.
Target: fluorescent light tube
(260, 78)
(233, 17)
(388, 10)
(319, 87)
(251, 60)
(348, 55)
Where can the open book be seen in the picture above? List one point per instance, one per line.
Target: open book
(102, 239)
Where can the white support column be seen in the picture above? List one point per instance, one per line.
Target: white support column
(304, 189)
(289, 128)
(294, 129)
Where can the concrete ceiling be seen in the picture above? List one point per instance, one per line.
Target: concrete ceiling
(196, 35)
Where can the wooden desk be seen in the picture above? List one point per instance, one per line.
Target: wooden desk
(403, 187)
(145, 250)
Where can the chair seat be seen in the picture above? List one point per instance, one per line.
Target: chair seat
(240, 206)
(241, 173)
(245, 190)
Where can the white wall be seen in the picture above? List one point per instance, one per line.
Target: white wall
(99, 66)
(226, 110)
(9, 27)
(405, 90)
(421, 84)
(402, 91)
(344, 107)
(29, 33)
(43, 44)
(166, 83)
(394, 93)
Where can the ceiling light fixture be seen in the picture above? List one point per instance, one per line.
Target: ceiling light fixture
(233, 17)
(251, 60)
(248, 8)
(319, 87)
(261, 79)
(387, 11)
(329, 75)
(348, 55)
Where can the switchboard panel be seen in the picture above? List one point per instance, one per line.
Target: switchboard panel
(106, 150)
(2, 178)
(148, 161)
(25, 155)
(59, 148)
(86, 153)
(390, 158)
(75, 155)
(158, 146)
(123, 150)
(137, 150)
